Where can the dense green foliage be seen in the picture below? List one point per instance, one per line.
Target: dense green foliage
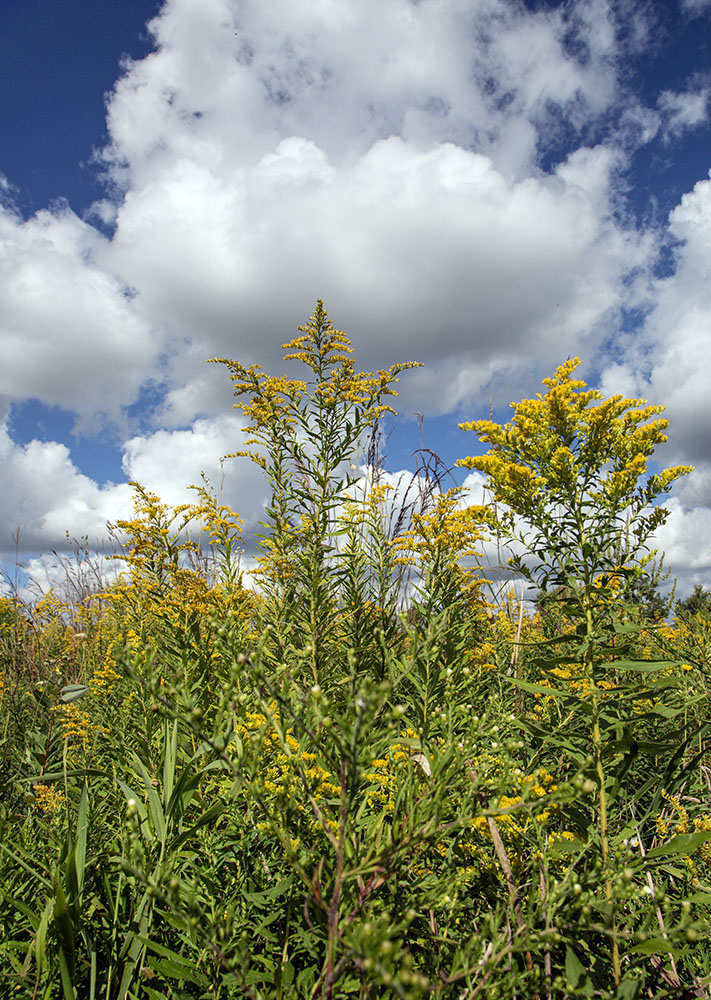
(697, 603)
(366, 779)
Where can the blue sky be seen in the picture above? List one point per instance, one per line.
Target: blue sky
(486, 186)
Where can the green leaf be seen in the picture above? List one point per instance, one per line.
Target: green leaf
(152, 994)
(81, 772)
(629, 989)
(170, 756)
(155, 806)
(133, 947)
(699, 897)
(132, 796)
(65, 930)
(626, 629)
(669, 713)
(23, 907)
(558, 848)
(211, 814)
(65, 976)
(538, 688)
(41, 935)
(655, 946)
(73, 692)
(29, 869)
(175, 969)
(681, 845)
(645, 666)
(76, 862)
(573, 969)
(269, 894)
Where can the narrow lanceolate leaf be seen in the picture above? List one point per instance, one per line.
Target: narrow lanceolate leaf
(81, 841)
(681, 845)
(66, 976)
(656, 946)
(645, 666)
(170, 755)
(133, 947)
(172, 965)
(72, 692)
(41, 936)
(65, 931)
(76, 862)
(538, 688)
(80, 772)
(132, 796)
(211, 814)
(155, 806)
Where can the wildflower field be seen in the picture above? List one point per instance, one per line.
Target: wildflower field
(379, 773)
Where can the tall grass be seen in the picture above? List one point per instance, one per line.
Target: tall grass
(365, 778)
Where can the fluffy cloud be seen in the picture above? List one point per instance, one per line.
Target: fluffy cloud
(168, 462)
(669, 360)
(682, 111)
(227, 83)
(68, 333)
(685, 540)
(446, 176)
(266, 155)
(484, 272)
(46, 497)
(272, 155)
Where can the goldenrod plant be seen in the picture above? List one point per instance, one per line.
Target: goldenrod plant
(306, 435)
(365, 778)
(569, 477)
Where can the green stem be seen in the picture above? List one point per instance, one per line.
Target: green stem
(597, 750)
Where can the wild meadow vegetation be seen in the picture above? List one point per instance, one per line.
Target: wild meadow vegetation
(380, 772)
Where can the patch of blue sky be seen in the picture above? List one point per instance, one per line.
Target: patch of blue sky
(58, 58)
(96, 455)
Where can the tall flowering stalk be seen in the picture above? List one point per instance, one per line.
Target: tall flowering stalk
(569, 472)
(305, 434)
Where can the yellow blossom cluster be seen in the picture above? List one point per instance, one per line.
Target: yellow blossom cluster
(106, 677)
(555, 440)
(50, 608)
(385, 773)
(513, 815)
(577, 682)
(222, 524)
(278, 406)
(327, 352)
(154, 539)
(689, 637)
(274, 399)
(484, 657)
(675, 820)
(521, 819)
(48, 798)
(448, 533)
(290, 773)
(77, 728)
(172, 592)
(8, 615)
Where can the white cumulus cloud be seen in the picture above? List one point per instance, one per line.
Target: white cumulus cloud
(444, 175)
(68, 333)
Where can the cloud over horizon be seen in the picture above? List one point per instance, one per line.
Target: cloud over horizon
(451, 178)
